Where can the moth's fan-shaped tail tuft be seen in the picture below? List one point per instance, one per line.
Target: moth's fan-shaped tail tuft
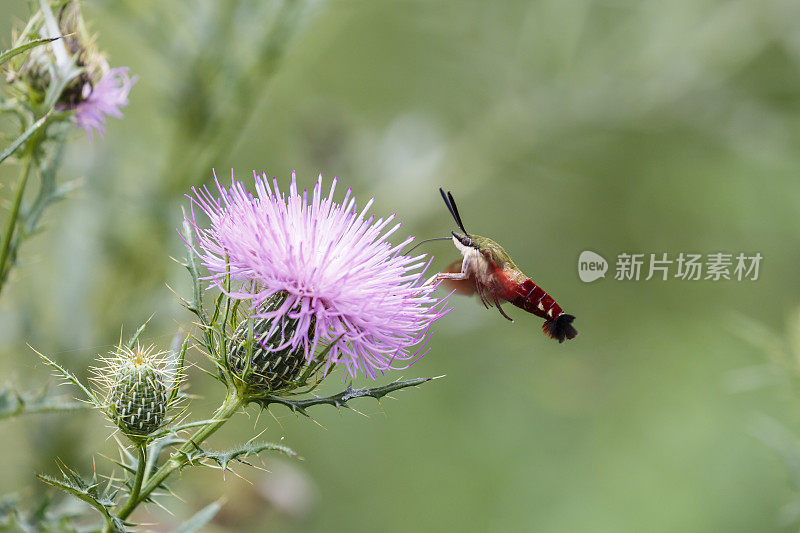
(560, 328)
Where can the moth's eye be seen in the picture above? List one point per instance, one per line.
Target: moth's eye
(467, 241)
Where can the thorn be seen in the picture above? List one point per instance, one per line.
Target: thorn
(274, 417)
(357, 411)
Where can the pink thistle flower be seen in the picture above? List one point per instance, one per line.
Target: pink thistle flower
(106, 98)
(330, 262)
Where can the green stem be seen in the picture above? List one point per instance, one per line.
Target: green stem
(13, 217)
(178, 459)
(141, 466)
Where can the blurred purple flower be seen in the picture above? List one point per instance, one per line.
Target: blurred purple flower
(332, 263)
(106, 98)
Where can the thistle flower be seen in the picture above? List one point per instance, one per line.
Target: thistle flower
(106, 97)
(341, 281)
(136, 384)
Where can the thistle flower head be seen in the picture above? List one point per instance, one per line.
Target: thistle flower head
(136, 384)
(90, 87)
(340, 279)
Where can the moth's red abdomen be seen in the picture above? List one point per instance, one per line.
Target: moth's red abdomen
(532, 298)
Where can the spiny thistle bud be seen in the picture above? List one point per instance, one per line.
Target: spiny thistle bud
(276, 362)
(138, 386)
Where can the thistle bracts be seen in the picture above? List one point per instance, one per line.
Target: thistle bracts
(137, 386)
(264, 354)
(271, 367)
(140, 401)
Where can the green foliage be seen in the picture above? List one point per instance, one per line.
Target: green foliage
(69, 377)
(240, 453)
(24, 219)
(14, 403)
(27, 134)
(98, 495)
(16, 50)
(200, 518)
(341, 399)
(42, 122)
(45, 516)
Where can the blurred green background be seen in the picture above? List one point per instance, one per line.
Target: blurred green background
(613, 126)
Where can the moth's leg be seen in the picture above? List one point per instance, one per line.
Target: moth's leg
(482, 295)
(504, 313)
(458, 276)
(455, 276)
(497, 305)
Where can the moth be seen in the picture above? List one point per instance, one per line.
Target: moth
(487, 270)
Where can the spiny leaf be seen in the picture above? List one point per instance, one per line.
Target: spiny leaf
(196, 305)
(340, 400)
(239, 453)
(11, 52)
(138, 332)
(43, 517)
(188, 425)
(180, 369)
(70, 377)
(117, 526)
(89, 492)
(200, 518)
(25, 136)
(14, 403)
(154, 450)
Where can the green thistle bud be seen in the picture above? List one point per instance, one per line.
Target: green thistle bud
(138, 385)
(272, 367)
(140, 401)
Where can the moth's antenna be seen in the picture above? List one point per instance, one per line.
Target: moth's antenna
(455, 208)
(451, 206)
(447, 203)
(428, 240)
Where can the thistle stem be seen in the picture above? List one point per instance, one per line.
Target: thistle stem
(178, 459)
(13, 217)
(141, 466)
